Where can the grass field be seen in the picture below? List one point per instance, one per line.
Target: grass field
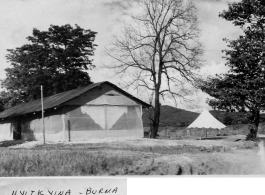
(230, 155)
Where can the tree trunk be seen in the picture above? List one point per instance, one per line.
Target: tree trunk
(254, 129)
(155, 124)
(256, 123)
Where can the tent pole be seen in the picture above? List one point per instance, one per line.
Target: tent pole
(42, 114)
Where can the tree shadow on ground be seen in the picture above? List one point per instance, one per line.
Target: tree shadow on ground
(8, 143)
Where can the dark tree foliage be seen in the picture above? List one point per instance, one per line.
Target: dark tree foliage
(57, 59)
(6, 100)
(228, 120)
(243, 88)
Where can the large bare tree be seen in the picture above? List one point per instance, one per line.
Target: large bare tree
(159, 50)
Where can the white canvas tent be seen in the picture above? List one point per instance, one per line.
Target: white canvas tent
(206, 120)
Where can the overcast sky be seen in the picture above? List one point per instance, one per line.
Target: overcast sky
(19, 17)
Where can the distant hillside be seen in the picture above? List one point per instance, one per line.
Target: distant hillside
(171, 116)
(175, 117)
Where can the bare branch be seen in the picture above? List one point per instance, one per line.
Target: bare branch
(159, 50)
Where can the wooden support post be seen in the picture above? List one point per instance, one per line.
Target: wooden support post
(63, 120)
(105, 114)
(69, 130)
(42, 115)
